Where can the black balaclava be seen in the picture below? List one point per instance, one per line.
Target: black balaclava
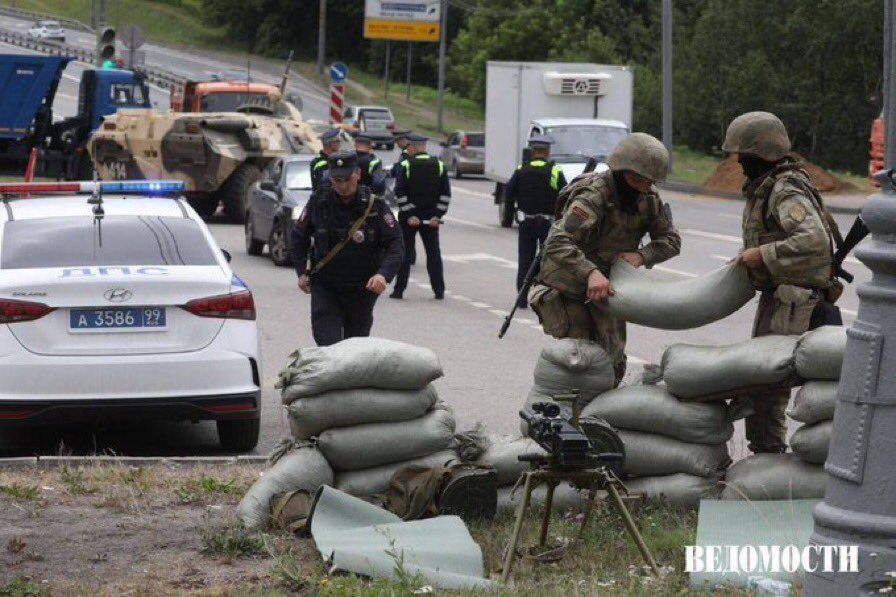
(628, 197)
(754, 167)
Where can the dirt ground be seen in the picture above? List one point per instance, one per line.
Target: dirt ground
(729, 178)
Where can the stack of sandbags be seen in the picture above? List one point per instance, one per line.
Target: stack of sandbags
(818, 359)
(675, 450)
(370, 406)
(566, 365)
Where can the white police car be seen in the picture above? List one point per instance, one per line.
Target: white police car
(120, 305)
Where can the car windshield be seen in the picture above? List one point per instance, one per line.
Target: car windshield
(228, 101)
(475, 139)
(127, 240)
(376, 114)
(49, 24)
(298, 175)
(127, 95)
(585, 141)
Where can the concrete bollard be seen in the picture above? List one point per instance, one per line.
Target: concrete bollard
(859, 507)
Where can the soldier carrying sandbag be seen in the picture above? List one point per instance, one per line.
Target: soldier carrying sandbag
(603, 217)
(788, 251)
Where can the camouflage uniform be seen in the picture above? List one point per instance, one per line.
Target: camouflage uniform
(591, 232)
(785, 218)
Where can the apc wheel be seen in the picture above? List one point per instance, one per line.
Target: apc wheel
(278, 247)
(239, 436)
(505, 215)
(253, 245)
(235, 190)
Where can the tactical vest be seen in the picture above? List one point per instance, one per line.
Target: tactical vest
(537, 187)
(318, 166)
(361, 257)
(424, 174)
(760, 227)
(367, 162)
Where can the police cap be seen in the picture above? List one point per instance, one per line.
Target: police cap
(540, 142)
(329, 135)
(416, 138)
(363, 138)
(342, 163)
(401, 133)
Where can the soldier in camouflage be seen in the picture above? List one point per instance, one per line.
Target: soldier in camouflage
(603, 217)
(787, 251)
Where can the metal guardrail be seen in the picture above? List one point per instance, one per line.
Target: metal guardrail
(28, 15)
(157, 76)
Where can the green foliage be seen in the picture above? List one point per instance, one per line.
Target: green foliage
(20, 492)
(231, 540)
(22, 587)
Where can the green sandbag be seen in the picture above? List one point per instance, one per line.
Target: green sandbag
(774, 477)
(345, 408)
(570, 363)
(811, 442)
(678, 491)
(366, 446)
(565, 497)
(653, 409)
(819, 353)
(503, 455)
(814, 402)
(375, 480)
(648, 455)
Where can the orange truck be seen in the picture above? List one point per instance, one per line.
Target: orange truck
(876, 163)
(218, 96)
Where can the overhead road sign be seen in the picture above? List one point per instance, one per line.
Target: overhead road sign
(402, 20)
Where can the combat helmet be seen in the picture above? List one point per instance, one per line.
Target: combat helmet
(643, 154)
(759, 134)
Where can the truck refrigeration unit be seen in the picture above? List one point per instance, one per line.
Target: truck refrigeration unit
(586, 109)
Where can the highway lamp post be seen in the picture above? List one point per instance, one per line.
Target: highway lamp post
(667, 77)
(859, 507)
(443, 34)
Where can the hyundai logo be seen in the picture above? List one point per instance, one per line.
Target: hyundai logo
(118, 295)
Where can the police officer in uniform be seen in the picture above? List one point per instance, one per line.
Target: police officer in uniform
(788, 238)
(331, 143)
(533, 189)
(423, 193)
(356, 250)
(604, 218)
(401, 141)
(372, 174)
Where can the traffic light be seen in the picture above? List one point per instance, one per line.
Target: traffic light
(105, 45)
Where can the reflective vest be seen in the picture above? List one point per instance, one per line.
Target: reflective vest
(424, 175)
(538, 184)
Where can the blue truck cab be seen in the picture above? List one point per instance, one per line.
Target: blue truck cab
(28, 85)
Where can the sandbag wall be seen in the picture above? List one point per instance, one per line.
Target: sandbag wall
(358, 410)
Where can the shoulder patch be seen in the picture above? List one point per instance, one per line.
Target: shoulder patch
(579, 212)
(797, 213)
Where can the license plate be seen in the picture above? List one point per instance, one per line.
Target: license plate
(132, 319)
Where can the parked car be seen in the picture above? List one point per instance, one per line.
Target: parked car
(275, 203)
(129, 313)
(464, 153)
(375, 121)
(47, 30)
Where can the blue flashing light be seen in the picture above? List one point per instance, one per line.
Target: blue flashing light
(143, 186)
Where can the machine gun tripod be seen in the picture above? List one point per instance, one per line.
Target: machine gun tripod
(566, 462)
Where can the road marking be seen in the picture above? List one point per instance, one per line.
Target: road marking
(713, 235)
(468, 223)
(474, 193)
(470, 257)
(722, 257)
(677, 272)
(66, 95)
(849, 312)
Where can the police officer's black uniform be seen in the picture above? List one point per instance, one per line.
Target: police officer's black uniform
(422, 190)
(403, 155)
(533, 188)
(372, 173)
(341, 306)
(319, 163)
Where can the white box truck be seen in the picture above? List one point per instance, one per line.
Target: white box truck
(585, 108)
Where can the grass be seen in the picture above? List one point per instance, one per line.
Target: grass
(22, 587)
(229, 540)
(192, 491)
(692, 167)
(20, 491)
(859, 181)
(177, 23)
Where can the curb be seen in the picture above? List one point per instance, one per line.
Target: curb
(685, 187)
(172, 461)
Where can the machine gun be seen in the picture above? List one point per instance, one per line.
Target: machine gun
(587, 455)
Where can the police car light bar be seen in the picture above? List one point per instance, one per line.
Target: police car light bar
(145, 187)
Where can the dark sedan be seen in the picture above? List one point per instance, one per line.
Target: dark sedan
(275, 202)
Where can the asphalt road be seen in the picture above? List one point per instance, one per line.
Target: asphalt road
(486, 379)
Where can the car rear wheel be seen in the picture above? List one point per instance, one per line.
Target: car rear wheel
(505, 215)
(239, 436)
(390, 146)
(253, 245)
(234, 193)
(277, 245)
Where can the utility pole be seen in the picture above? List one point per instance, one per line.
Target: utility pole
(667, 77)
(859, 507)
(443, 34)
(407, 93)
(321, 36)
(387, 73)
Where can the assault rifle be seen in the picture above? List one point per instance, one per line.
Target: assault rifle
(524, 291)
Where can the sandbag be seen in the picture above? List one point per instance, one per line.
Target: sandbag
(302, 468)
(774, 477)
(565, 497)
(502, 454)
(653, 409)
(693, 372)
(366, 446)
(345, 408)
(814, 402)
(358, 363)
(810, 442)
(648, 455)
(376, 480)
(679, 490)
(819, 353)
(571, 363)
(645, 299)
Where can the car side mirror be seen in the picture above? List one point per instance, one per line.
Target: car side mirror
(227, 255)
(268, 185)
